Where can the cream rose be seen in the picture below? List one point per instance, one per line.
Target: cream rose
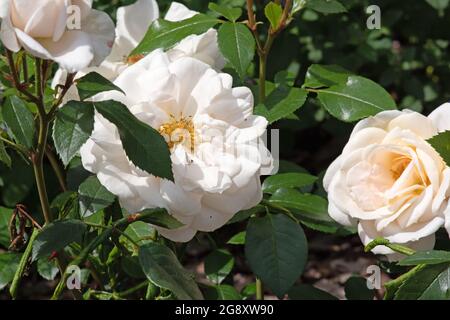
(389, 181)
(42, 28)
(216, 167)
(133, 22)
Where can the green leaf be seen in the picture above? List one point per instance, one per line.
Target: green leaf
(218, 265)
(9, 262)
(281, 103)
(319, 76)
(162, 218)
(163, 269)
(276, 250)
(132, 267)
(237, 45)
(245, 214)
(222, 292)
(139, 230)
(231, 14)
(430, 282)
(4, 156)
(355, 99)
(291, 198)
(93, 197)
(287, 180)
(5, 217)
(47, 269)
(311, 210)
(144, 146)
(238, 239)
(165, 34)
(56, 236)
(20, 121)
(73, 126)
(93, 83)
(356, 289)
(309, 292)
(326, 6)
(273, 12)
(426, 257)
(441, 143)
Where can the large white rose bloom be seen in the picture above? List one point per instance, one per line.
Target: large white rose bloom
(48, 29)
(390, 182)
(216, 168)
(133, 22)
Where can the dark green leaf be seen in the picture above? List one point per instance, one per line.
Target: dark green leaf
(56, 236)
(426, 257)
(132, 267)
(273, 12)
(281, 103)
(287, 180)
(93, 197)
(165, 34)
(162, 218)
(20, 121)
(319, 76)
(4, 156)
(5, 216)
(237, 45)
(441, 143)
(144, 146)
(309, 292)
(93, 83)
(72, 128)
(8, 266)
(326, 6)
(218, 265)
(245, 214)
(231, 14)
(356, 289)
(162, 268)
(430, 282)
(276, 250)
(355, 99)
(222, 292)
(290, 198)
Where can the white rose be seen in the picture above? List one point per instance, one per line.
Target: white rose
(133, 22)
(41, 27)
(390, 181)
(216, 169)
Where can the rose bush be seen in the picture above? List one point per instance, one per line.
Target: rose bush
(132, 162)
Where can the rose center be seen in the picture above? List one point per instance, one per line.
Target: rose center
(179, 131)
(399, 165)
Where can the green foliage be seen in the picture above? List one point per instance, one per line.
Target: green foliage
(72, 128)
(144, 146)
(165, 34)
(231, 14)
(276, 250)
(93, 83)
(162, 268)
(20, 121)
(93, 197)
(237, 44)
(441, 143)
